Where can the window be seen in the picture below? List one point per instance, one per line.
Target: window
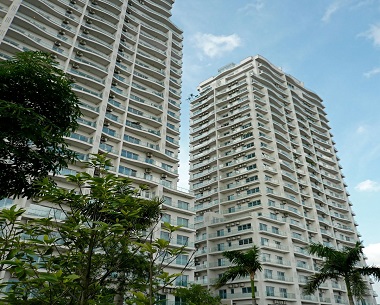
(167, 200)
(221, 262)
(220, 247)
(252, 166)
(166, 217)
(129, 154)
(127, 171)
(270, 291)
(263, 227)
(275, 230)
(182, 222)
(283, 292)
(270, 190)
(245, 241)
(182, 240)
(183, 205)
(170, 139)
(253, 191)
(220, 232)
(253, 178)
(165, 235)
(281, 275)
(182, 259)
(268, 273)
(247, 290)
(264, 241)
(254, 203)
(250, 156)
(266, 257)
(169, 153)
(182, 280)
(246, 226)
(223, 294)
(131, 139)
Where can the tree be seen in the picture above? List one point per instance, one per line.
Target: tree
(160, 255)
(197, 295)
(243, 264)
(85, 253)
(342, 264)
(37, 109)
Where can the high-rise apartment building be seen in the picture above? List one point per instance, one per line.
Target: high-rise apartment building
(264, 171)
(126, 60)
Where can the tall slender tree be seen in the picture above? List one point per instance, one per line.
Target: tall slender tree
(342, 264)
(243, 264)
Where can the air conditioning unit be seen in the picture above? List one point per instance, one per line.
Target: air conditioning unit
(62, 32)
(65, 21)
(92, 12)
(69, 11)
(149, 154)
(82, 42)
(89, 21)
(79, 53)
(148, 170)
(242, 284)
(114, 83)
(85, 31)
(164, 176)
(103, 139)
(57, 43)
(109, 110)
(75, 66)
(106, 124)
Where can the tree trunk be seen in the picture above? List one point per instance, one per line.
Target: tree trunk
(252, 277)
(349, 292)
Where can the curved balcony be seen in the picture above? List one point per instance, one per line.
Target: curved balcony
(146, 105)
(148, 133)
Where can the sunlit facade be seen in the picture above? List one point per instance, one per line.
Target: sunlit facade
(264, 171)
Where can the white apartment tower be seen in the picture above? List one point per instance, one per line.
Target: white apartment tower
(126, 60)
(264, 171)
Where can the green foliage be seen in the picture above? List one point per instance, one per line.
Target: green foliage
(243, 264)
(160, 255)
(341, 264)
(92, 256)
(197, 295)
(37, 108)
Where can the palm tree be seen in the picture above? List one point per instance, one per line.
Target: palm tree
(243, 264)
(342, 264)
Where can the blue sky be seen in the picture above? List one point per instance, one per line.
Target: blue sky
(332, 46)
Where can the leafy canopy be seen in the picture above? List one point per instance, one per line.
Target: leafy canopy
(37, 108)
(342, 264)
(197, 295)
(86, 253)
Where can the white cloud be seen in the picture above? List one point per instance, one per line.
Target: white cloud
(214, 46)
(372, 72)
(368, 186)
(373, 34)
(253, 6)
(361, 129)
(372, 251)
(331, 9)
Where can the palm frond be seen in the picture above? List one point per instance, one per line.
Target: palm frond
(230, 274)
(370, 271)
(354, 254)
(358, 286)
(322, 251)
(316, 280)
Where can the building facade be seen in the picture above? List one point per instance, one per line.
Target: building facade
(126, 60)
(264, 171)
